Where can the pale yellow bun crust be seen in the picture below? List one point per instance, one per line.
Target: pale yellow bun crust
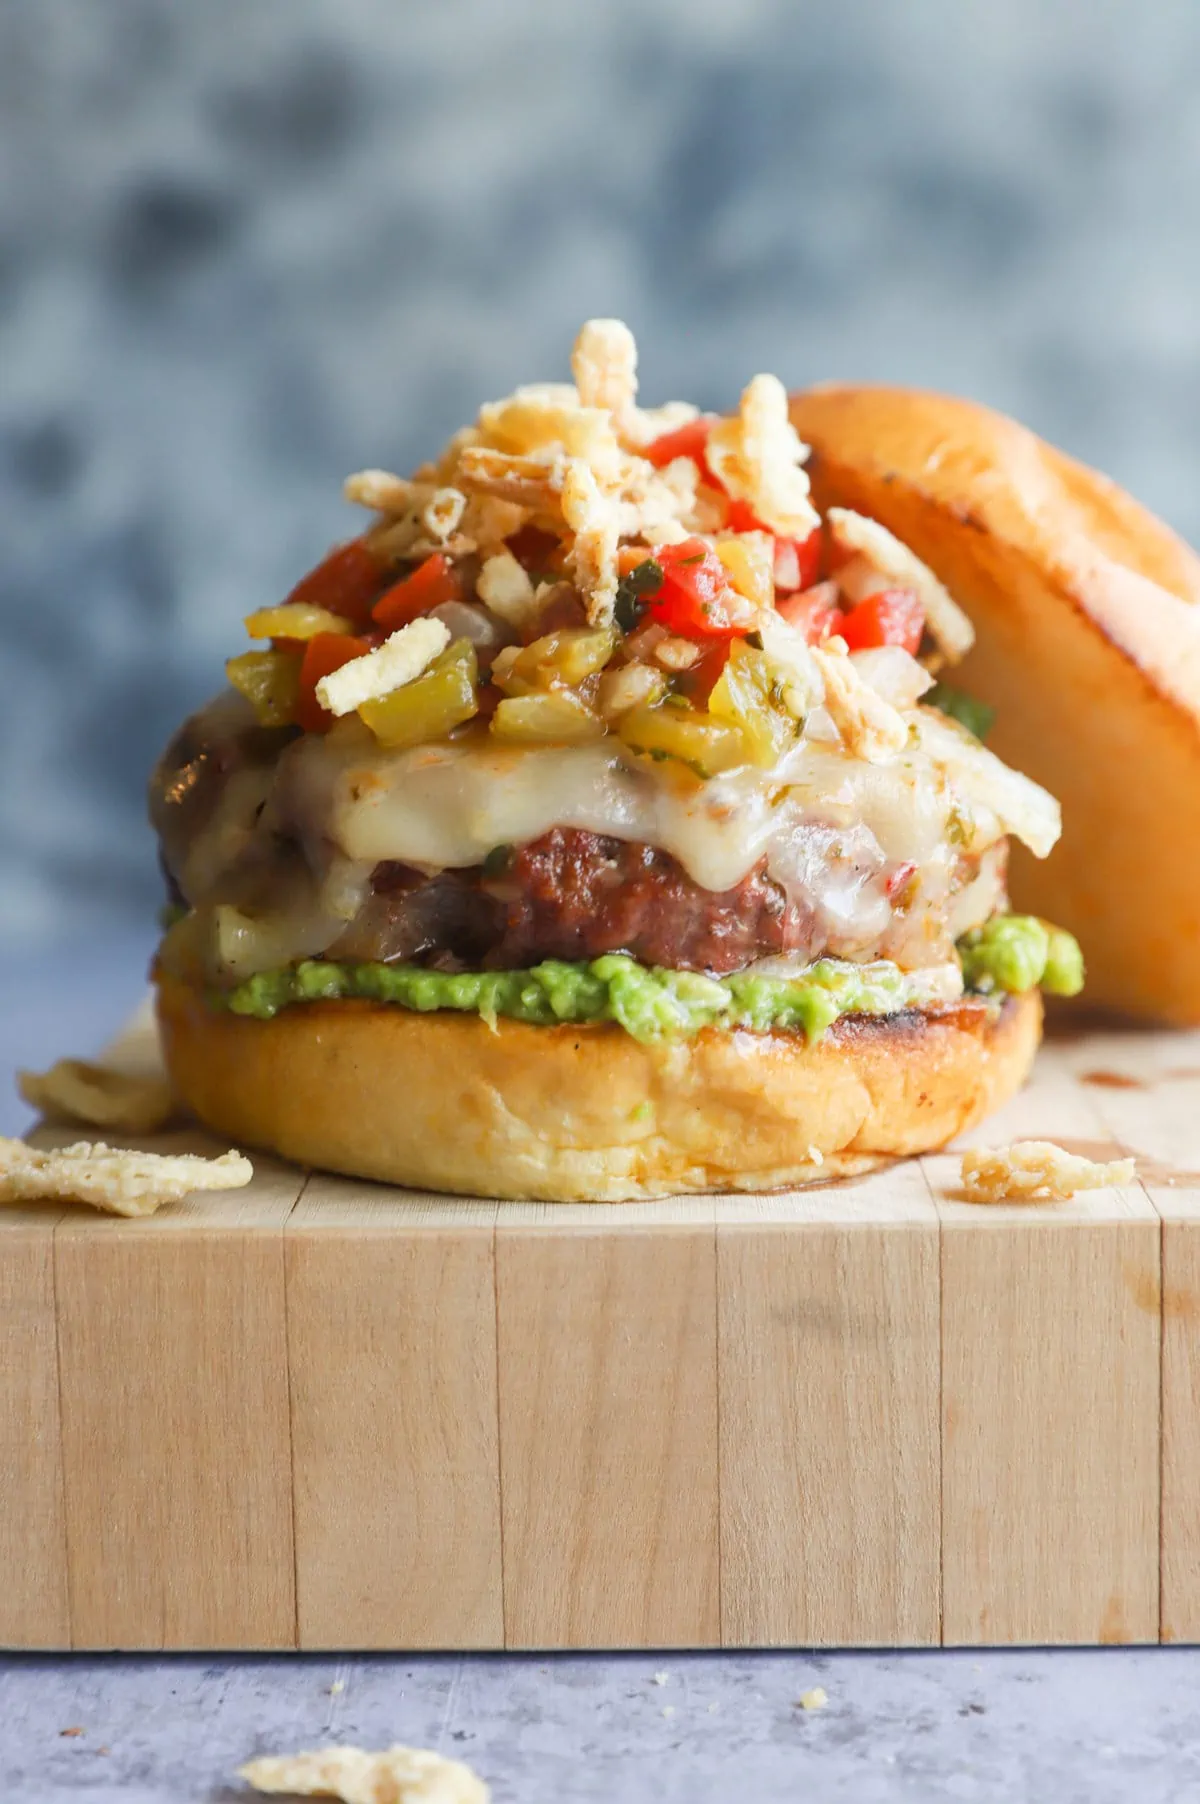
(1088, 646)
(588, 1114)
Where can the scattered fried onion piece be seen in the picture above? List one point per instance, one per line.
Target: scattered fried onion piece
(534, 423)
(870, 727)
(399, 660)
(75, 1090)
(523, 480)
(505, 587)
(379, 490)
(398, 1776)
(604, 365)
(1036, 1171)
(593, 517)
(442, 512)
(757, 457)
(112, 1179)
(488, 522)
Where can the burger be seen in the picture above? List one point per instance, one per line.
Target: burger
(1087, 617)
(598, 824)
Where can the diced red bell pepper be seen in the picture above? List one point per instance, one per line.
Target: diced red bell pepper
(889, 617)
(814, 612)
(808, 552)
(741, 517)
(322, 654)
(686, 441)
(695, 599)
(431, 583)
(345, 582)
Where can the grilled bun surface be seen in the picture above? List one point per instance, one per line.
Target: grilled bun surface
(587, 1113)
(1088, 647)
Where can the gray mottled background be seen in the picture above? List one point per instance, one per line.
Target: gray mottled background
(248, 245)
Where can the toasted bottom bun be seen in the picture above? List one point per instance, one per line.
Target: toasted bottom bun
(586, 1113)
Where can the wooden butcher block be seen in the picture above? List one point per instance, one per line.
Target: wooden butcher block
(320, 1413)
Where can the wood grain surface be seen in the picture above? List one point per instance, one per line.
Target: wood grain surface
(392, 1353)
(606, 1323)
(33, 1534)
(332, 1414)
(830, 1463)
(1146, 1090)
(175, 1427)
(1050, 1395)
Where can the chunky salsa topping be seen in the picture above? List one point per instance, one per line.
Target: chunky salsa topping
(598, 561)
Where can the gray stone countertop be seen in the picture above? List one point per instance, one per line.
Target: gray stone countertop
(1072, 1726)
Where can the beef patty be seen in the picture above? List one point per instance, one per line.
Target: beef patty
(574, 895)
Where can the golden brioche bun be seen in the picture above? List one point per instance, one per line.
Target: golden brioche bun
(588, 1114)
(1088, 647)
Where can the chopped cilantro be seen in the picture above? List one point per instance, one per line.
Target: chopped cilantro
(644, 579)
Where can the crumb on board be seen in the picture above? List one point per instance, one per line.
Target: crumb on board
(112, 1179)
(77, 1090)
(70, 1732)
(1034, 1171)
(336, 1689)
(660, 1678)
(399, 1775)
(815, 1699)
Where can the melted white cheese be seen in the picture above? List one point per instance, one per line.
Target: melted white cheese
(834, 829)
(448, 805)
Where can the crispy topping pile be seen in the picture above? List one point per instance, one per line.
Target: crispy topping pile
(574, 565)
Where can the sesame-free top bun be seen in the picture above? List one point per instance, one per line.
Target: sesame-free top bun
(586, 1113)
(1088, 646)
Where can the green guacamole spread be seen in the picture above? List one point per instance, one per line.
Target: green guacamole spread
(648, 1003)
(1013, 952)
(1019, 952)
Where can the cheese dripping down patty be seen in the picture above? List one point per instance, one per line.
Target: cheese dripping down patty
(446, 806)
(317, 820)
